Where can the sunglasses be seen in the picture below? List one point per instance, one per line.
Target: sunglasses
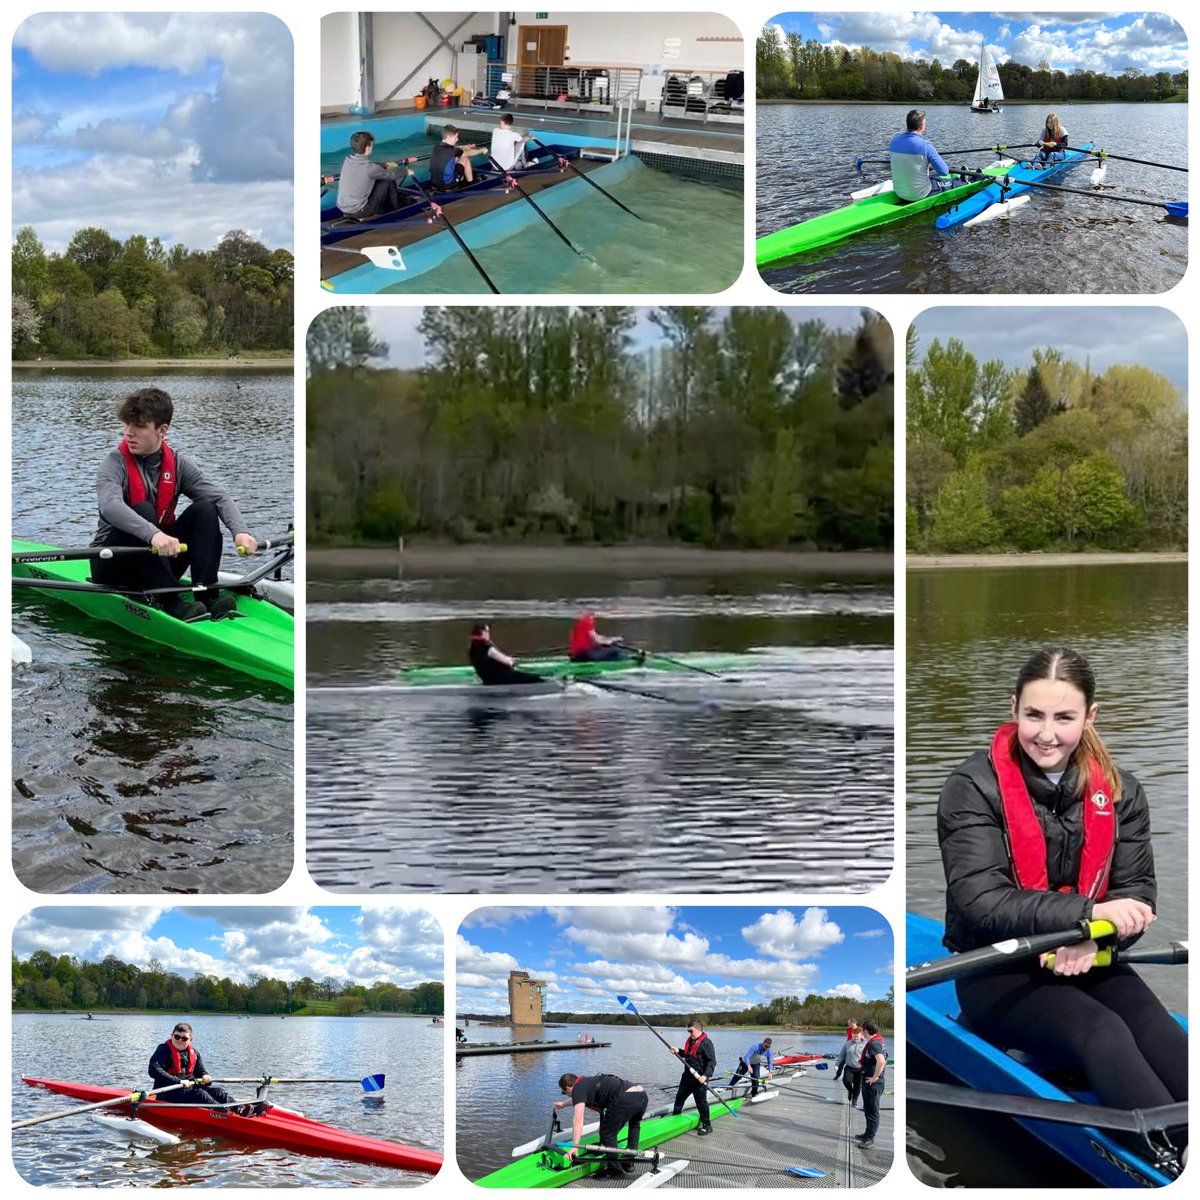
(181, 1037)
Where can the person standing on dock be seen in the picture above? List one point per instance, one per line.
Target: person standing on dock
(873, 1064)
(366, 188)
(508, 146)
(491, 664)
(849, 1065)
(618, 1102)
(912, 156)
(700, 1056)
(137, 488)
(588, 645)
(450, 163)
(752, 1062)
(177, 1060)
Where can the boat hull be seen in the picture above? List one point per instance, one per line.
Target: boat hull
(545, 1169)
(868, 213)
(1019, 177)
(259, 642)
(275, 1128)
(934, 1028)
(562, 668)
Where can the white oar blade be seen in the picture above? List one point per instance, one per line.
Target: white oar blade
(387, 257)
(763, 1097)
(665, 1172)
(21, 652)
(998, 210)
(876, 189)
(134, 1130)
(1099, 173)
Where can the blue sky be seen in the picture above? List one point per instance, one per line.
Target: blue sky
(398, 327)
(399, 943)
(173, 125)
(1146, 337)
(1105, 42)
(670, 959)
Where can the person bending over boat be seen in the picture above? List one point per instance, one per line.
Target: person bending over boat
(492, 665)
(508, 146)
(849, 1065)
(751, 1063)
(1038, 833)
(138, 487)
(700, 1055)
(618, 1102)
(176, 1060)
(450, 163)
(366, 188)
(1053, 142)
(873, 1064)
(588, 645)
(912, 156)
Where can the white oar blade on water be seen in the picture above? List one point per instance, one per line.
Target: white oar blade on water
(133, 1129)
(1099, 173)
(665, 1172)
(20, 651)
(998, 210)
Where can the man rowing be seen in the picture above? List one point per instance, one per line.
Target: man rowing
(177, 1060)
(589, 645)
(491, 664)
(751, 1063)
(912, 157)
(618, 1102)
(699, 1058)
(450, 163)
(138, 486)
(508, 146)
(366, 188)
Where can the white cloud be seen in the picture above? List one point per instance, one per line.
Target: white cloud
(782, 936)
(30, 128)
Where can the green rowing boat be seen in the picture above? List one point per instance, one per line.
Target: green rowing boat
(547, 1168)
(257, 642)
(867, 213)
(563, 668)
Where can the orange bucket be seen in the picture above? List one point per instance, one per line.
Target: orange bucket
(420, 101)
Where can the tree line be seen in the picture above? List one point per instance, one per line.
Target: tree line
(595, 425)
(44, 981)
(104, 298)
(1051, 456)
(799, 69)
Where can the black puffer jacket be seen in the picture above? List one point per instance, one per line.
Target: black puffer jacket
(983, 904)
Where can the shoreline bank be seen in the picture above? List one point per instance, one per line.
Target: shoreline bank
(938, 562)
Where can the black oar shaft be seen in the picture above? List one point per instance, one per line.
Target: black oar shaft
(440, 212)
(1058, 187)
(583, 175)
(1145, 162)
(125, 1098)
(537, 208)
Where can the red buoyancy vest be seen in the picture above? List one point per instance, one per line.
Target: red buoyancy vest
(176, 1061)
(581, 635)
(862, 1058)
(164, 501)
(1027, 842)
(690, 1045)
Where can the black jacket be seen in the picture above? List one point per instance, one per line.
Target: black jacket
(703, 1060)
(983, 904)
(162, 1067)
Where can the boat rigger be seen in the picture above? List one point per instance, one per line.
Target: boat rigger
(564, 668)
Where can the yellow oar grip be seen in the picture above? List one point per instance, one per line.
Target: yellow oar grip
(1098, 929)
(182, 548)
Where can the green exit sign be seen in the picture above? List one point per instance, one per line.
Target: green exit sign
(541, 16)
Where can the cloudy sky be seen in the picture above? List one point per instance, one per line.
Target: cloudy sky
(1105, 42)
(398, 327)
(398, 944)
(172, 125)
(1146, 337)
(672, 959)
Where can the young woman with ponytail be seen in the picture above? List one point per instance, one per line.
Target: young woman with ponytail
(1037, 833)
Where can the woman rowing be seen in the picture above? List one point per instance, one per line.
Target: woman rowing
(1037, 834)
(1053, 142)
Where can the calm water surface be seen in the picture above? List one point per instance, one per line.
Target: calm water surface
(76, 1153)
(1084, 245)
(134, 771)
(969, 632)
(777, 777)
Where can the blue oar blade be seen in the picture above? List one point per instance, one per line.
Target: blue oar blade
(1177, 208)
(373, 1083)
(625, 1002)
(821, 1066)
(806, 1172)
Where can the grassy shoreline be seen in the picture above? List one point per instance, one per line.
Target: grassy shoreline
(939, 562)
(253, 363)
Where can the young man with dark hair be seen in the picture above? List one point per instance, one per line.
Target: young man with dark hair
(366, 188)
(874, 1063)
(508, 146)
(698, 1054)
(176, 1060)
(618, 1102)
(450, 163)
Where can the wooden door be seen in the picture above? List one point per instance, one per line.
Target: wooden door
(539, 46)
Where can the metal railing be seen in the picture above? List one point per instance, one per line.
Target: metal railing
(578, 86)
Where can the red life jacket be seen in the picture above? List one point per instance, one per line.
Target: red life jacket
(1027, 843)
(862, 1058)
(164, 501)
(177, 1062)
(691, 1044)
(581, 635)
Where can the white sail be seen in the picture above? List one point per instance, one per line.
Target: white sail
(988, 83)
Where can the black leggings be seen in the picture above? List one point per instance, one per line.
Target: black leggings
(1106, 1024)
(691, 1086)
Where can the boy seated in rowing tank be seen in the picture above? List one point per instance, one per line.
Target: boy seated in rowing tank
(450, 163)
(912, 156)
(491, 664)
(176, 1060)
(589, 645)
(508, 146)
(618, 1102)
(366, 188)
(138, 487)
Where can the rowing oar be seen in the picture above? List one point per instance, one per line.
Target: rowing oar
(678, 662)
(620, 688)
(970, 150)
(625, 1002)
(1145, 162)
(1173, 208)
(1169, 955)
(566, 162)
(654, 1156)
(391, 166)
(370, 1083)
(986, 958)
(439, 212)
(1062, 1112)
(513, 182)
(75, 553)
(288, 539)
(127, 1098)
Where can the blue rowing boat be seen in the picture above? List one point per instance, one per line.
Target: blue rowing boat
(1017, 181)
(935, 1028)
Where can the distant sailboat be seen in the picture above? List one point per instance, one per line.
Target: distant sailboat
(987, 87)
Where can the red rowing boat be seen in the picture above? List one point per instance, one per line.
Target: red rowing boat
(275, 1127)
(784, 1060)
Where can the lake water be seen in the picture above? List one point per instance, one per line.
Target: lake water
(778, 777)
(1055, 244)
(136, 771)
(969, 632)
(113, 1051)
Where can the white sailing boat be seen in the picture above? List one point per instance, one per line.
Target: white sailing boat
(987, 87)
